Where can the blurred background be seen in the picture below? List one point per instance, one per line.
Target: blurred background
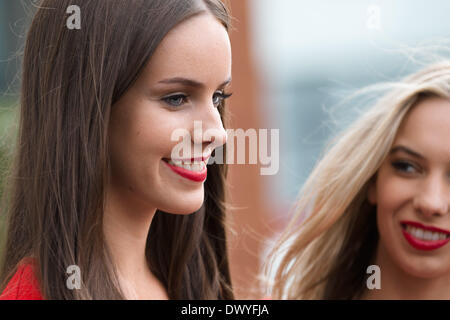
(294, 63)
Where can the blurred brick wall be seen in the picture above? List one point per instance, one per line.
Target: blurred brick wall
(248, 216)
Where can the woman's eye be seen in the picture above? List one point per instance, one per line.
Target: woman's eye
(175, 100)
(404, 167)
(219, 97)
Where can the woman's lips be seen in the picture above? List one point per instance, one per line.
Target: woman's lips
(197, 176)
(422, 226)
(423, 237)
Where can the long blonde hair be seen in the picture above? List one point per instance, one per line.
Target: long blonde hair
(325, 255)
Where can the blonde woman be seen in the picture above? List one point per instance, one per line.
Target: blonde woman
(380, 196)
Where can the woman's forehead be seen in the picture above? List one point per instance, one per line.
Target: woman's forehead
(198, 47)
(426, 128)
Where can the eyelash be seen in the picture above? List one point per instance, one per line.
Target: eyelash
(403, 166)
(222, 96)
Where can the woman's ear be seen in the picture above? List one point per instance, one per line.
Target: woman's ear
(372, 190)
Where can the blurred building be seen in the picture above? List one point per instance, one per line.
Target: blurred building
(312, 54)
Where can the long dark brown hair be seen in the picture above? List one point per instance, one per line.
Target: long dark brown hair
(71, 80)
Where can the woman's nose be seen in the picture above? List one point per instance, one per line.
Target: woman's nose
(433, 198)
(210, 125)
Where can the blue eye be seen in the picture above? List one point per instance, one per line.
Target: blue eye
(175, 100)
(219, 97)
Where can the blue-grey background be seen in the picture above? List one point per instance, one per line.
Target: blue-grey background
(309, 56)
(312, 54)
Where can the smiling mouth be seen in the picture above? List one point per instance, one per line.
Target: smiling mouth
(423, 237)
(194, 170)
(425, 233)
(196, 166)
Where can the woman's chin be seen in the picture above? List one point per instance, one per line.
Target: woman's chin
(426, 268)
(186, 207)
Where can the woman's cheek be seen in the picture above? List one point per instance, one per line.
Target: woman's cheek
(393, 190)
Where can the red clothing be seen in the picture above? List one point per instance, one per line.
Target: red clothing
(23, 285)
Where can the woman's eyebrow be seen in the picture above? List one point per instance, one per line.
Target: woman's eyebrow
(407, 150)
(190, 82)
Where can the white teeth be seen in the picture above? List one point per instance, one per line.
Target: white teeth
(195, 166)
(425, 234)
(419, 233)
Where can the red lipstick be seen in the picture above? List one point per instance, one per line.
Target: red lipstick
(423, 244)
(197, 176)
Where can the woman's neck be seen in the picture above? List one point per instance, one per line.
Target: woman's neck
(400, 285)
(126, 224)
